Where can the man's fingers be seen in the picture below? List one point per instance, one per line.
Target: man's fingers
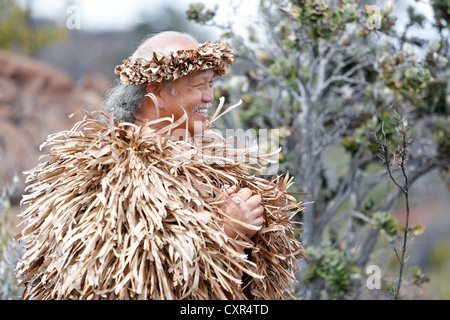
(228, 192)
(231, 190)
(259, 221)
(258, 211)
(254, 201)
(244, 193)
(250, 203)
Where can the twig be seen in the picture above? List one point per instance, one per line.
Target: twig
(400, 125)
(405, 190)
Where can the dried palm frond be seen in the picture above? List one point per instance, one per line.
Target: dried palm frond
(123, 212)
(177, 64)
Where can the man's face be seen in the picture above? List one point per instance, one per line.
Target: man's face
(193, 93)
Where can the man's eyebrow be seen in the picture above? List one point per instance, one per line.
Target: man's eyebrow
(202, 79)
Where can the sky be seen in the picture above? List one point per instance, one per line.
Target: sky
(100, 15)
(116, 15)
(120, 14)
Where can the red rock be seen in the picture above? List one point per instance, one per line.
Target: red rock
(35, 101)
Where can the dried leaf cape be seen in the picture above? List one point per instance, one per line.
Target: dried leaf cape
(119, 211)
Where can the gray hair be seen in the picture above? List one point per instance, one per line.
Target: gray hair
(124, 101)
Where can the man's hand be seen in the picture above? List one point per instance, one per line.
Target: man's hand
(246, 208)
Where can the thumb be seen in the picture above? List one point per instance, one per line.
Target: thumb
(229, 192)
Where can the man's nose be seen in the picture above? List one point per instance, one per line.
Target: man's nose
(208, 95)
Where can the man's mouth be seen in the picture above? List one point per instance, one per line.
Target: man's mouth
(202, 109)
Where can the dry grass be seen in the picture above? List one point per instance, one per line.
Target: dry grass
(121, 212)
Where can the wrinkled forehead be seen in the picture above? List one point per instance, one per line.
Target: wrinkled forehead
(197, 77)
(202, 75)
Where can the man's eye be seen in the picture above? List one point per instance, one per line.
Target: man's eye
(203, 84)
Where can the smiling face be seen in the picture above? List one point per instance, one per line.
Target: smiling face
(192, 94)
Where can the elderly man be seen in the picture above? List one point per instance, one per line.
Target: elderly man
(112, 214)
(175, 96)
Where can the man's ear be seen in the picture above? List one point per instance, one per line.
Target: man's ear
(154, 93)
(154, 88)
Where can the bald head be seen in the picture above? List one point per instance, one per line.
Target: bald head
(126, 100)
(165, 43)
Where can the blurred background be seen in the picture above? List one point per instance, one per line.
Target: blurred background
(57, 57)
